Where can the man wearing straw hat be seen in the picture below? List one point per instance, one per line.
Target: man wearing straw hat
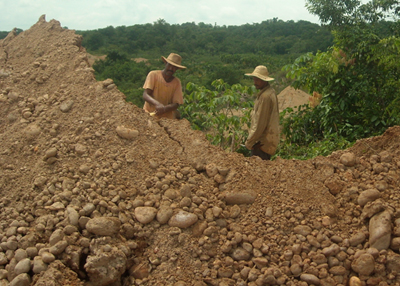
(264, 131)
(162, 90)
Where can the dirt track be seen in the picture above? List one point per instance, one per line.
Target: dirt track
(96, 192)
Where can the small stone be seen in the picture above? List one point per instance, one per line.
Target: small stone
(386, 157)
(348, 159)
(21, 280)
(364, 264)
(235, 198)
(393, 262)
(234, 212)
(106, 268)
(372, 208)
(395, 244)
(80, 149)
(24, 266)
(31, 251)
(260, 262)
(296, 269)
(164, 214)
(88, 208)
(355, 281)
(380, 230)
(183, 219)
(20, 254)
(381, 186)
(145, 214)
(66, 105)
(211, 170)
(11, 231)
(334, 184)
(104, 226)
(240, 254)
(56, 236)
(127, 133)
(47, 257)
(56, 206)
(38, 265)
(310, 279)
(368, 196)
(357, 239)
(338, 270)
(70, 229)
(302, 229)
(378, 168)
(32, 131)
(3, 274)
(225, 272)
(59, 247)
(172, 194)
(331, 250)
(52, 152)
(107, 82)
(84, 169)
(73, 216)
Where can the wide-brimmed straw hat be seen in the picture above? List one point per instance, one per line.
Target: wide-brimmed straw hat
(261, 72)
(174, 59)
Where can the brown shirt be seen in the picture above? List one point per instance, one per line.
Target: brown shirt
(265, 122)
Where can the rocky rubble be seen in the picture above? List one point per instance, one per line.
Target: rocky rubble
(96, 192)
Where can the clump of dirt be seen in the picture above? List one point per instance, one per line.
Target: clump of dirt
(94, 191)
(291, 97)
(93, 58)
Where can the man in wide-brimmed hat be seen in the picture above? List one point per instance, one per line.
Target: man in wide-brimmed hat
(263, 137)
(162, 90)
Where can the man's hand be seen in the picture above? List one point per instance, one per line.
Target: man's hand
(160, 109)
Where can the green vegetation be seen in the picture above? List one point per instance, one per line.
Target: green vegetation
(271, 37)
(357, 80)
(223, 113)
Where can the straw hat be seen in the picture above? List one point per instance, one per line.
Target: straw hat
(261, 72)
(174, 59)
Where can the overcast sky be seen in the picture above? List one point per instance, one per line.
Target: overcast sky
(97, 14)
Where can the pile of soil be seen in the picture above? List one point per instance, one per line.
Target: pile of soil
(94, 191)
(291, 97)
(92, 58)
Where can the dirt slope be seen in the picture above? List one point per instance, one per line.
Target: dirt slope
(96, 192)
(290, 97)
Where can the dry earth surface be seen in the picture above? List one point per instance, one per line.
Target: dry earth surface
(96, 192)
(290, 97)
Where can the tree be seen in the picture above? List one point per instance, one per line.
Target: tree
(357, 78)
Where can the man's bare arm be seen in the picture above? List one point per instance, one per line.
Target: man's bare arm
(148, 96)
(160, 108)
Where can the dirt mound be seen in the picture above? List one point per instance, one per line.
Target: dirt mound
(290, 97)
(92, 58)
(94, 191)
